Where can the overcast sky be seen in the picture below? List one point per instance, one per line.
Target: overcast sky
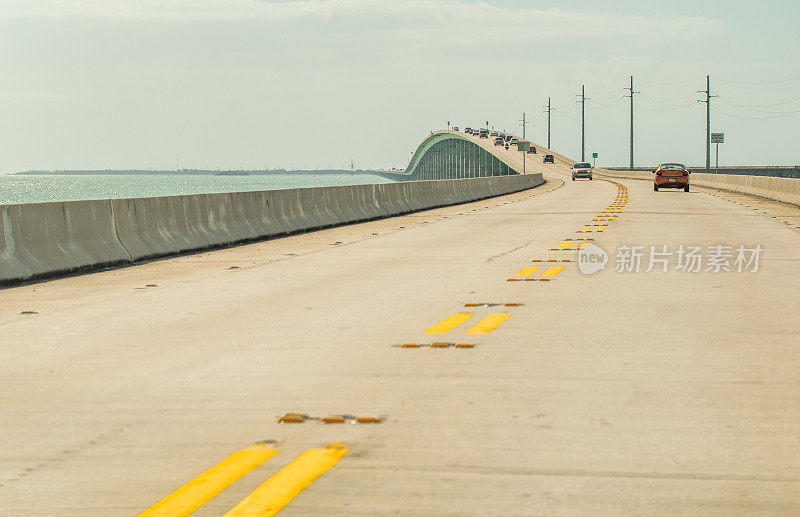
(315, 83)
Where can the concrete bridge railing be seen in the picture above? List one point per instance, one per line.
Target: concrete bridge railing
(786, 190)
(41, 240)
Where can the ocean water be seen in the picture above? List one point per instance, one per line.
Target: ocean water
(36, 188)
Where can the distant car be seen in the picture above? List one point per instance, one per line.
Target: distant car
(455, 128)
(498, 141)
(671, 175)
(548, 158)
(532, 150)
(514, 141)
(484, 133)
(493, 133)
(582, 170)
(468, 130)
(508, 137)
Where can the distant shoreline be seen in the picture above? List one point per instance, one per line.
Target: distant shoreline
(187, 172)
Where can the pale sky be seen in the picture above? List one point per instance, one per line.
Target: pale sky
(315, 83)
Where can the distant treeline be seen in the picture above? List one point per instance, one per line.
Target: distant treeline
(225, 172)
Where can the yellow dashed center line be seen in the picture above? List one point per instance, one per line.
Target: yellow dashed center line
(553, 271)
(488, 324)
(449, 323)
(276, 492)
(201, 489)
(527, 271)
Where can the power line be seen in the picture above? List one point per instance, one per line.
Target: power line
(758, 82)
(616, 103)
(786, 114)
(537, 118)
(601, 101)
(670, 82)
(669, 100)
(676, 108)
(757, 110)
(764, 105)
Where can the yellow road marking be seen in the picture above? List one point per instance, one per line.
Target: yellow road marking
(276, 492)
(601, 228)
(565, 244)
(449, 323)
(488, 324)
(527, 271)
(553, 271)
(201, 489)
(585, 228)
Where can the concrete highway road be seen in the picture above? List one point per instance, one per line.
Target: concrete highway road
(617, 393)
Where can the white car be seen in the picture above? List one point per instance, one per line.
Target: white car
(582, 170)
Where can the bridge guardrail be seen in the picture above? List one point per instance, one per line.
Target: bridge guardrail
(786, 190)
(41, 240)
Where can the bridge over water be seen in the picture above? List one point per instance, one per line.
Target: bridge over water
(454, 155)
(447, 361)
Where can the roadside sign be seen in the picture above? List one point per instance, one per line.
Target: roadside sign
(594, 155)
(523, 145)
(717, 138)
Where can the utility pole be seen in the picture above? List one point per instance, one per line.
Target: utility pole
(583, 122)
(549, 109)
(523, 125)
(633, 92)
(707, 91)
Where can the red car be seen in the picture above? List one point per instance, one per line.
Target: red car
(671, 175)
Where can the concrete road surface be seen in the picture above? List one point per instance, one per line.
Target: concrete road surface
(617, 393)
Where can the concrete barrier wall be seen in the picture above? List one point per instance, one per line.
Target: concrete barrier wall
(786, 190)
(41, 240)
(779, 171)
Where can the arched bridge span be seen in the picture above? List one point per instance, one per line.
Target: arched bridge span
(450, 155)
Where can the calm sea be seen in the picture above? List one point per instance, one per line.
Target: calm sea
(34, 188)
